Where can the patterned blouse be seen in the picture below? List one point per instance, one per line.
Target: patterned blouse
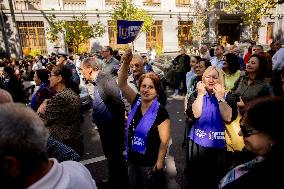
(62, 117)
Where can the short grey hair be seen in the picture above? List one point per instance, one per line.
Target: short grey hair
(91, 63)
(5, 96)
(138, 57)
(22, 133)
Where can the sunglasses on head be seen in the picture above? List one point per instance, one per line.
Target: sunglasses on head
(248, 131)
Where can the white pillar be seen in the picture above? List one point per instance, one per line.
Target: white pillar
(170, 34)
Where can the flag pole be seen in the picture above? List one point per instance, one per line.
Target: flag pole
(132, 46)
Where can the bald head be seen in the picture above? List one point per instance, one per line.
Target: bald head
(5, 96)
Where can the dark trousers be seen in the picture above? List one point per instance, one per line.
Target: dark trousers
(206, 166)
(180, 81)
(139, 178)
(112, 138)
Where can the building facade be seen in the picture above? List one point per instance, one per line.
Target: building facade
(24, 24)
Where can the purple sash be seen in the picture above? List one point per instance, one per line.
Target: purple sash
(208, 130)
(142, 129)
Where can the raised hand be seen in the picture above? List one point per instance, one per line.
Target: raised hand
(201, 88)
(127, 56)
(219, 91)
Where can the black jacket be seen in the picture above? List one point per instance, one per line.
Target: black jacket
(267, 174)
(186, 62)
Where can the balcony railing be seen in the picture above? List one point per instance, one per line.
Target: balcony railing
(74, 5)
(27, 5)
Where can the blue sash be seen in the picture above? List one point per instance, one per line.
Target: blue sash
(208, 130)
(142, 129)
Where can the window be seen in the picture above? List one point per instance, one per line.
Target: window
(269, 33)
(182, 2)
(154, 38)
(184, 37)
(112, 36)
(111, 1)
(32, 35)
(83, 47)
(152, 1)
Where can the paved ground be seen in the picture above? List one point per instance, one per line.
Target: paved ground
(95, 161)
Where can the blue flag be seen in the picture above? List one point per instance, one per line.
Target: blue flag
(127, 31)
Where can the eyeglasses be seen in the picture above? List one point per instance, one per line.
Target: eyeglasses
(212, 77)
(248, 131)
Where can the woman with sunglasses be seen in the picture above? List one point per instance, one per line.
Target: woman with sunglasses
(61, 113)
(209, 107)
(262, 130)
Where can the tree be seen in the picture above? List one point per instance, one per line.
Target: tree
(251, 10)
(75, 32)
(126, 10)
(198, 30)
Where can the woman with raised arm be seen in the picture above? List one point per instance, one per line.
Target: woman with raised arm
(148, 129)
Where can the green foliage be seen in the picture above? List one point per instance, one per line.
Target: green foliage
(252, 10)
(198, 29)
(159, 49)
(126, 10)
(34, 52)
(82, 50)
(75, 32)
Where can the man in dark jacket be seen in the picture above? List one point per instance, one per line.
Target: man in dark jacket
(62, 59)
(182, 62)
(109, 116)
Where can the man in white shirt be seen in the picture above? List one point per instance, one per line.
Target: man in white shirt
(151, 55)
(218, 60)
(23, 160)
(278, 57)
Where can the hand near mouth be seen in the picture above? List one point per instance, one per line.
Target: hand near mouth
(219, 91)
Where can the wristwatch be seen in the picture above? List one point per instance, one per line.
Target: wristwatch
(222, 100)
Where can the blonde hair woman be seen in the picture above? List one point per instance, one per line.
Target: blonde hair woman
(211, 106)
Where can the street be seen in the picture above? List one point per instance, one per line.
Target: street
(95, 161)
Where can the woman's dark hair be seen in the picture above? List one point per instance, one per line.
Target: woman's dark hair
(66, 75)
(233, 62)
(155, 79)
(10, 71)
(43, 75)
(262, 65)
(265, 114)
(207, 62)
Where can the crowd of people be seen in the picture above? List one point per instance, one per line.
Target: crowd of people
(232, 140)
